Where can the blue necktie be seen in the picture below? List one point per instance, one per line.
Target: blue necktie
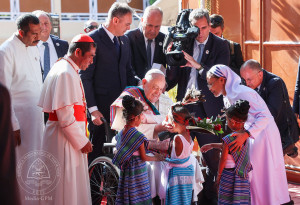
(117, 45)
(149, 65)
(46, 60)
(194, 72)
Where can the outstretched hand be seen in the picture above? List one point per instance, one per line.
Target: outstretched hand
(191, 62)
(239, 141)
(206, 148)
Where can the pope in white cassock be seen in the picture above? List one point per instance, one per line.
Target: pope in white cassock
(155, 104)
(65, 134)
(20, 72)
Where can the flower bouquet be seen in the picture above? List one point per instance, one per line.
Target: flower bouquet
(193, 95)
(207, 125)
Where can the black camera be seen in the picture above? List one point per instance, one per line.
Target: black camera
(181, 36)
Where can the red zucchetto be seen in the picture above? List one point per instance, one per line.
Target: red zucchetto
(82, 38)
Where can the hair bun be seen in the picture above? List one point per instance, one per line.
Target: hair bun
(128, 102)
(242, 106)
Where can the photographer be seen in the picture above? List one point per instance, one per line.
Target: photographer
(204, 52)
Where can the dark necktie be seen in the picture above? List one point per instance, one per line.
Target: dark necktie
(149, 65)
(194, 72)
(117, 45)
(46, 60)
(256, 89)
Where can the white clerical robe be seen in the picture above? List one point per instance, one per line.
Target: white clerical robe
(20, 72)
(268, 181)
(65, 137)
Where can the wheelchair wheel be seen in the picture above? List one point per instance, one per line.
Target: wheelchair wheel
(104, 178)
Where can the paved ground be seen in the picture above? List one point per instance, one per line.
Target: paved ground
(294, 190)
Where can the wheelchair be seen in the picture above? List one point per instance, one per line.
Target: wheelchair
(104, 175)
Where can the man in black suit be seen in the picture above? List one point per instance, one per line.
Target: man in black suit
(51, 47)
(274, 92)
(142, 55)
(110, 72)
(236, 56)
(208, 50)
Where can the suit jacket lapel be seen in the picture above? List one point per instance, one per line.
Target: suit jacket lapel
(57, 48)
(158, 47)
(106, 40)
(206, 50)
(140, 42)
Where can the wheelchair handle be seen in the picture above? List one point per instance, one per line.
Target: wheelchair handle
(107, 129)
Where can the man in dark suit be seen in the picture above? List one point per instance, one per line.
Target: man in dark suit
(274, 92)
(51, 47)
(209, 50)
(110, 72)
(146, 42)
(236, 56)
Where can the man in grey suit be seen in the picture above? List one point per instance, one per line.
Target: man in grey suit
(50, 47)
(110, 72)
(146, 42)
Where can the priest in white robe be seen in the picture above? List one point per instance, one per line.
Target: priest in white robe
(65, 134)
(20, 72)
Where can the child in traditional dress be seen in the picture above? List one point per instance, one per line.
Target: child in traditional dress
(182, 165)
(133, 187)
(234, 166)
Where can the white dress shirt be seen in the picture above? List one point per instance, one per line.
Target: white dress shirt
(53, 54)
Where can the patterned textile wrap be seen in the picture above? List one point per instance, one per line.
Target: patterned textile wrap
(134, 187)
(241, 158)
(136, 92)
(233, 189)
(180, 183)
(127, 144)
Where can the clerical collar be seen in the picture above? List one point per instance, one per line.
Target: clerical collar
(73, 64)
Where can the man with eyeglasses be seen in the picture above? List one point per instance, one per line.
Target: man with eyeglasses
(236, 56)
(90, 25)
(146, 42)
(274, 92)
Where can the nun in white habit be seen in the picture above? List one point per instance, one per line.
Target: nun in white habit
(268, 183)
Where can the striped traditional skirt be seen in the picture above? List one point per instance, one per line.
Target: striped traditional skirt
(134, 187)
(233, 189)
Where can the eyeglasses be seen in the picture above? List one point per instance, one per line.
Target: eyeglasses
(211, 85)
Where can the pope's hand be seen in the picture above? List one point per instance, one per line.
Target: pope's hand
(191, 62)
(17, 135)
(87, 148)
(239, 141)
(96, 117)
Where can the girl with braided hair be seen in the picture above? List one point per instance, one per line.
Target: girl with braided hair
(183, 170)
(133, 187)
(234, 166)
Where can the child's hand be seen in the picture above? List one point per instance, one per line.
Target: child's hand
(159, 157)
(206, 148)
